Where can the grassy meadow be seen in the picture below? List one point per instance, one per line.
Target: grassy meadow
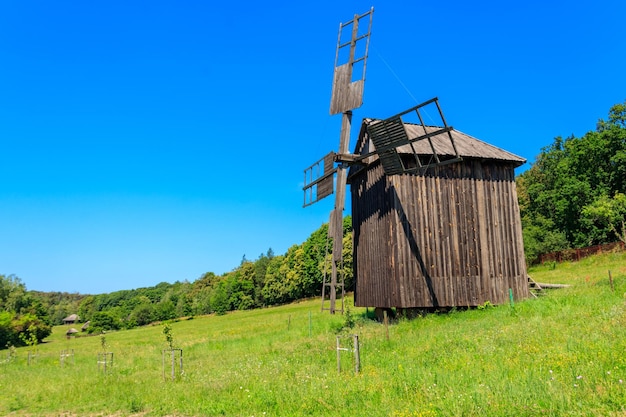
(562, 354)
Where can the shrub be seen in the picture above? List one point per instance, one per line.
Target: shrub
(102, 321)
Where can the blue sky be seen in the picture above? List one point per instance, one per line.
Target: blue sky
(154, 141)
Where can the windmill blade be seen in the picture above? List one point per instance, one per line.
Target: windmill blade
(391, 134)
(318, 180)
(347, 93)
(387, 135)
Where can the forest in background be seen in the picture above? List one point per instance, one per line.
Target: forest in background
(572, 196)
(268, 280)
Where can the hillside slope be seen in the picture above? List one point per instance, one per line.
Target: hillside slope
(560, 354)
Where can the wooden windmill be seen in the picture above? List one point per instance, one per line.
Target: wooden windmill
(321, 178)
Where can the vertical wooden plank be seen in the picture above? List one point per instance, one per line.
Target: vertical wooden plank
(422, 241)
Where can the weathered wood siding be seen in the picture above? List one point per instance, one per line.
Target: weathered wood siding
(449, 238)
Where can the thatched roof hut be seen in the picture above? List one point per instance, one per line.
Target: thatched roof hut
(71, 319)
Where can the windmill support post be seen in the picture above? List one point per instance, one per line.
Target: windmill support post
(336, 218)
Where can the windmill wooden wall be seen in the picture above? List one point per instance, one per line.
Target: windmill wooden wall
(451, 237)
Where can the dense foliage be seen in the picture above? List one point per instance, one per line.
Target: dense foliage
(574, 194)
(58, 305)
(23, 319)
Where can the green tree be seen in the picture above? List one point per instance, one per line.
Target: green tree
(165, 310)
(220, 298)
(13, 295)
(609, 212)
(87, 308)
(307, 263)
(241, 286)
(143, 314)
(274, 288)
(8, 337)
(23, 318)
(29, 337)
(103, 321)
(562, 194)
(169, 337)
(617, 118)
(260, 269)
(21, 330)
(201, 301)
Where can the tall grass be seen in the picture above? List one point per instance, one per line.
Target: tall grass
(560, 354)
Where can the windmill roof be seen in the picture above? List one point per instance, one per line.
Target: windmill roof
(466, 145)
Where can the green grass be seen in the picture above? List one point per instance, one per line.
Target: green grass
(563, 354)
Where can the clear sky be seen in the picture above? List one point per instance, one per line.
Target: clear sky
(151, 141)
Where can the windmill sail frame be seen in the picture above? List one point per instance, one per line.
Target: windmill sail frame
(319, 180)
(347, 93)
(391, 133)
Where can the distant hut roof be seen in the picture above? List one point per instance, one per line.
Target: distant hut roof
(72, 318)
(466, 145)
(85, 326)
(71, 331)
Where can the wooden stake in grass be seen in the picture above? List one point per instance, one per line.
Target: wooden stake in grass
(105, 359)
(611, 281)
(354, 349)
(174, 353)
(65, 355)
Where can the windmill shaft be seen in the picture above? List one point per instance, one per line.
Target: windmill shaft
(335, 230)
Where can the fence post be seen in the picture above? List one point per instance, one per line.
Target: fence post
(338, 355)
(357, 355)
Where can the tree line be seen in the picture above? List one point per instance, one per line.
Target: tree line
(574, 194)
(24, 319)
(268, 280)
